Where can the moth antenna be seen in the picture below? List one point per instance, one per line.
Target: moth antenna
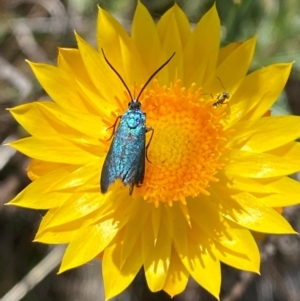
(117, 73)
(151, 77)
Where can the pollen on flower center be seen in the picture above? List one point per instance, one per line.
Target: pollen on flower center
(187, 144)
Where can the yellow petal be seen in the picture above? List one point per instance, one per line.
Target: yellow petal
(282, 185)
(234, 243)
(88, 242)
(90, 206)
(241, 56)
(135, 71)
(38, 194)
(40, 117)
(277, 83)
(254, 135)
(109, 34)
(240, 251)
(117, 276)
(77, 206)
(174, 30)
(254, 102)
(273, 192)
(261, 165)
(155, 220)
(31, 118)
(156, 257)
(132, 231)
(227, 51)
(204, 268)
(286, 193)
(199, 264)
(57, 83)
(179, 230)
(288, 152)
(54, 219)
(250, 212)
(177, 277)
(100, 72)
(54, 150)
(89, 125)
(281, 200)
(86, 176)
(57, 235)
(71, 61)
(38, 168)
(244, 184)
(202, 50)
(174, 17)
(144, 35)
(60, 235)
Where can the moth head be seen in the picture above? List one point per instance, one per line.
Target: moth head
(134, 104)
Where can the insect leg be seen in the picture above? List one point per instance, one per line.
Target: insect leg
(149, 130)
(114, 127)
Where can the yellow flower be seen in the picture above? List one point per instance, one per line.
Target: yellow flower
(217, 171)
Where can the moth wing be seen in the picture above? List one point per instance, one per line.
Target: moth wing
(108, 176)
(139, 178)
(125, 159)
(136, 169)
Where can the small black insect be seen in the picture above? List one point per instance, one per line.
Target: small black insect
(221, 98)
(126, 156)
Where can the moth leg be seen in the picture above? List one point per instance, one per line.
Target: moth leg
(149, 130)
(131, 189)
(114, 127)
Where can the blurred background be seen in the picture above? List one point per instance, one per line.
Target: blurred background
(34, 29)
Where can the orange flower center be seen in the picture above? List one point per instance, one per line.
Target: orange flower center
(188, 141)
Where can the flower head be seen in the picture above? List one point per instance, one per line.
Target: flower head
(218, 167)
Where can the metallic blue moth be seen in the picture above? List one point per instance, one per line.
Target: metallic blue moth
(125, 159)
